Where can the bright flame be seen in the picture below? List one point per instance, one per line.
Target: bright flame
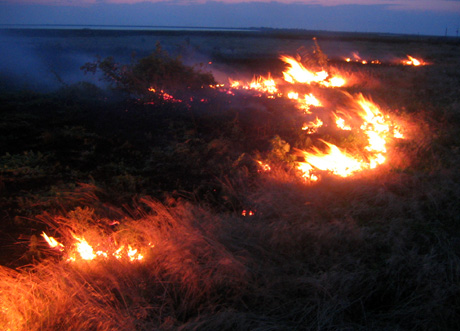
(259, 83)
(293, 95)
(53, 243)
(312, 126)
(412, 61)
(364, 116)
(297, 73)
(263, 84)
(374, 125)
(309, 100)
(334, 160)
(82, 250)
(340, 122)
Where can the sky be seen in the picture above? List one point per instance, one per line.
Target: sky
(424, 17)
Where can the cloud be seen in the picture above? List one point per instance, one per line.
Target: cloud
(391, 17)
(406, 5)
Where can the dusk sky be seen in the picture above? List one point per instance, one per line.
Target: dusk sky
(392, 16)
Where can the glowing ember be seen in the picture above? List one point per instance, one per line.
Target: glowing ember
(165, 96)
(247, 213)
(264, 166)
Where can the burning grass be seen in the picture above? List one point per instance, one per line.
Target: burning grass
(195, 214)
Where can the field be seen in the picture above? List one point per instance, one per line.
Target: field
(179, 203)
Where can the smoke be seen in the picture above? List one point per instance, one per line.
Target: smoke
(40, 64)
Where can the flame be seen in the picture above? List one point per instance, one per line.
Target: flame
(309, 100)
(334, 160)
(340, 122)
(258, 83)
(53, 243)
(84, 249)
(297, 73)
(363, 115)
(293, 95)
(312, 126)
(376, 127)
(412, 61)
(80, 249)
(263, 84)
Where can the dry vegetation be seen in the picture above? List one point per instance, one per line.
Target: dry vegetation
(377, 251)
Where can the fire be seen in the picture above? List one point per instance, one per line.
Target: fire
(363, 116)
(312, 126)
(264, 166)
(334, 160)
(258, 83)
(84, 249)
(247, 213)
(297, 73)
(81, 250)
(164, 95)
(340, 122)
(53, 243)
(309, 100)
(376, 127)
(413, 61)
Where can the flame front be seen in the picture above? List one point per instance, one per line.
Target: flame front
(376, 127)
(363, 117)
(81, 250)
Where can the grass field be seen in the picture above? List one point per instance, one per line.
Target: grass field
(187, 230)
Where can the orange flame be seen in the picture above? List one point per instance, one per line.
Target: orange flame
(334, 160)
(258, 83)
(312, 126)
(53, 243)
(297, 73)
(412, 61)
(82, 250)
(374, 125)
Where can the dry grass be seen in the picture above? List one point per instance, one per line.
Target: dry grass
(359, 254)
(379, 251)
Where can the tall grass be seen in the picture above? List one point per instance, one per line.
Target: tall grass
(379, 251)
(359, 254)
